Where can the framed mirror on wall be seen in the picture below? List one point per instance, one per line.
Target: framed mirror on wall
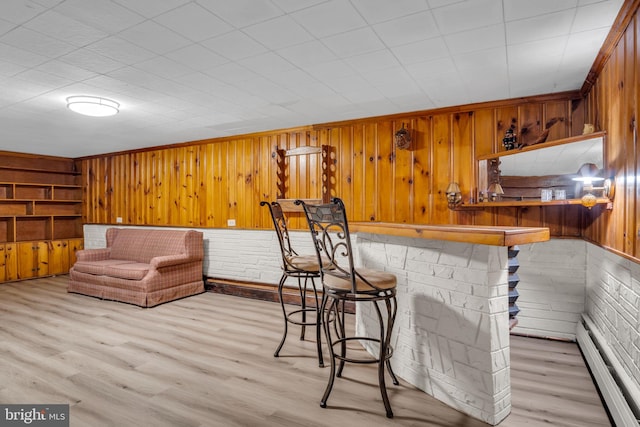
(557, 172)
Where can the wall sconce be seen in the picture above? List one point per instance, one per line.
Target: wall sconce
(454, 195)
(403, 138)
(495, 192)
(587, 175)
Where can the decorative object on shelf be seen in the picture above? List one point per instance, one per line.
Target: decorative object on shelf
(403, 138)
(93, 106)
(588, 128)
(587, 175)
(495, 192)
(454, 195)
(510, 139)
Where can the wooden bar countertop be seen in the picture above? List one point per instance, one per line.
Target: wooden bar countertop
(482, 235)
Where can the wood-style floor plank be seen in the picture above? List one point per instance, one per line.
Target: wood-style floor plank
(208, 360)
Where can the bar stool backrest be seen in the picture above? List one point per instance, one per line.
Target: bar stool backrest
(280, 225)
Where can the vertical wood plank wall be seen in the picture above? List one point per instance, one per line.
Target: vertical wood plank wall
(613, 104)
(205, 183)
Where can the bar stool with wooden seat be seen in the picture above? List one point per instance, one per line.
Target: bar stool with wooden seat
(300, 267)
(343, 283)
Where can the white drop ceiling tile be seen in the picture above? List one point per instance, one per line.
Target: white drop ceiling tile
(354, 42)
(326, 19)
(289, 6)
(151, 8)
(441, 3)
(164, 67)
(306, 54)
(104, 15)
(121, 50)
(462, 16)
(20, 11)
(234, 45)
(194, 22)
(583, 47)
(264, 88)
(375, 11)
(427, 70)
(32, 41)
(328, 71)
(408, 29)
(346, 83)
(91, 61)
(242, 13)
(9, 69)
(490, 59)
(154, 37)
(20, 56)
(197, 57)
(372, 61)
(476, 39)
(65, 28)
(293, 79)
(312, 90)
(231, 73)
(401, 85)
(50, 80)
(278, 33)
(521, 9)
(268, 62)
(417, 52)
(6, 26)
(599, 15)
(540, 28)
(358, 96)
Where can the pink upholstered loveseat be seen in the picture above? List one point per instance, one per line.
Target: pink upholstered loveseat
(145, 267)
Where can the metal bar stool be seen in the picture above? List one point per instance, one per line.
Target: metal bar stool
(301, 267)
(342, 283)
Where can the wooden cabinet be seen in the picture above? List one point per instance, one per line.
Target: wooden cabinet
(40, 213)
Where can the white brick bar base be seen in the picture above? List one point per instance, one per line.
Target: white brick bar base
(451, 337)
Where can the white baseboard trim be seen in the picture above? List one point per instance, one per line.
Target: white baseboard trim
(619, 397)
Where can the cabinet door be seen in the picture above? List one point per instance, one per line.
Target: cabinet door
(3, 263)
(10, 262)
(59, 257)
(27, 260)
(42, 266)
(33, 259)
(75, 245)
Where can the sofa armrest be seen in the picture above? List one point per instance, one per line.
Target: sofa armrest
(167, 260)
(89, 255)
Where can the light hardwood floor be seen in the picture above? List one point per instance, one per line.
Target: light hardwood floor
(208, 360)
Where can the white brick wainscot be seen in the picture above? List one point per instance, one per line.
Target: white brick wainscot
(451, 337)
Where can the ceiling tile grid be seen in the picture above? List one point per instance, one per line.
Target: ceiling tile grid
(193, 69)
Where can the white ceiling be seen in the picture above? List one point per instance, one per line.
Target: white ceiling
(187, 70)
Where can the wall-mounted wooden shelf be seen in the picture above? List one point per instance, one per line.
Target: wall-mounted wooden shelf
(525, 203)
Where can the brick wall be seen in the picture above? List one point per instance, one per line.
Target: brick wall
(613, 303)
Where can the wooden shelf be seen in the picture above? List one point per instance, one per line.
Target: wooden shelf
(525, 203)
(19, 168)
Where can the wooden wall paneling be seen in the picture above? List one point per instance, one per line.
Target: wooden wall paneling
(573, 220)
(629, 90)
(386, 194)
(636, 117)
(578, 116)
(505, 118)
(342, 158)
(232, 179)
(530, 215)
(265, 175)
(485, 142)
(357, 173)
(405, 191)
(248, 197)
(529, 119)
(220, 196)
(556, 117)
(442, 169)
(370, 191)
(507, 216)
(553, 217)
(420, 150)
(464, 166)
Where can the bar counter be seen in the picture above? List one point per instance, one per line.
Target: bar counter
(451, 336)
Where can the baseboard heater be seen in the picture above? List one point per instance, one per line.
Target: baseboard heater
(620, 395)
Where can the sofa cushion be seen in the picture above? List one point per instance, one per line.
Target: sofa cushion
(141, 245)
(97, 267)
(131, 271)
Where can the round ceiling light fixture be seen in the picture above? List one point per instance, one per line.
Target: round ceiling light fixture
(93, 106)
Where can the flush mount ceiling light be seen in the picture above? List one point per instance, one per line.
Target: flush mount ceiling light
(92, 106)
